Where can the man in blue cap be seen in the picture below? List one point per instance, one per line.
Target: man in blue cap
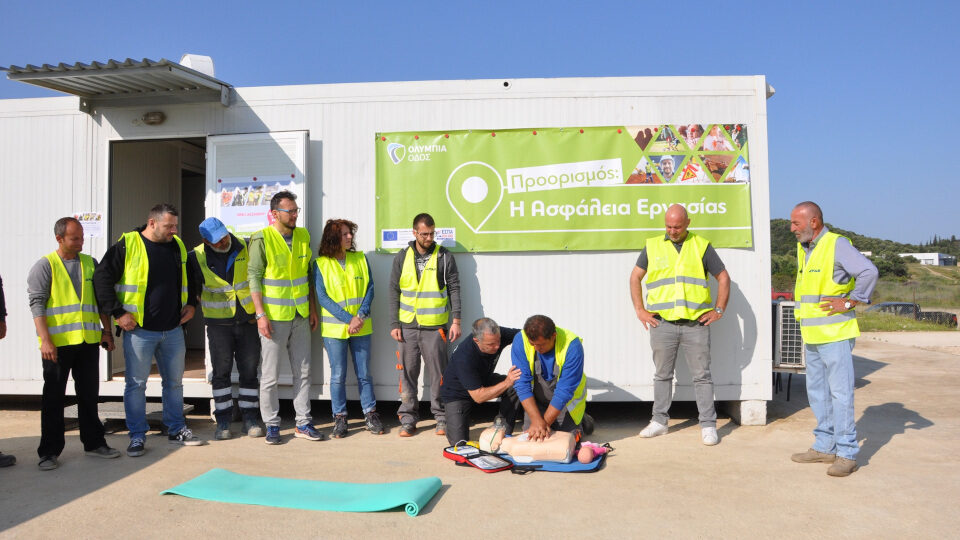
(220, 263)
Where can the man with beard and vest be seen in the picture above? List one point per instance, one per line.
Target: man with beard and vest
(424, 296)
(142, 282)
(220, 264)
(678, 313)
(552, 387)
(832, 278)
(70, 329)
(286, 313)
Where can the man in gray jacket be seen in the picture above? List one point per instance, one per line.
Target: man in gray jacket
(424, 296)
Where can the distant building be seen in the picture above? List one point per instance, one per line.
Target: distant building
(935, 259)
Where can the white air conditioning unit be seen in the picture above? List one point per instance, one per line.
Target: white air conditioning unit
(788, 350)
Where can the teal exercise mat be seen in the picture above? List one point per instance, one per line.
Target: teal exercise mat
(225, 486)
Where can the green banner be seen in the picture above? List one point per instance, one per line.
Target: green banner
(597, 188)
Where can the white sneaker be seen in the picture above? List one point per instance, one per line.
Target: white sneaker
(653, 429)
(709, 436)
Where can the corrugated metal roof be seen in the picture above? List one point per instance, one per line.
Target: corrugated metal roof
(122, 83)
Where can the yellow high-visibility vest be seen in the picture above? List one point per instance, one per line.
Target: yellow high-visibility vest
(218, 299)
(346, 285)
(578, 403)
(422, 300)
(132, 287)
(72, 320)
(677, 286)
(286, 291)
(815, 285)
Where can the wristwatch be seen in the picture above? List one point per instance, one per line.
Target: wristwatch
(261, 315)
(718, 309)
(847, 305)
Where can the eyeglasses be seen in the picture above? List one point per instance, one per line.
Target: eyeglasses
(426, 234)
(291, 211)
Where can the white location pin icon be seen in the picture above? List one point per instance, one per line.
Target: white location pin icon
(474, 191)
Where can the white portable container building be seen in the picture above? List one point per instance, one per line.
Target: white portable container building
(99, 151)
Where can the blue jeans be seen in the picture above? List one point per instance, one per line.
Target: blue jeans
(139, 349)
(360, 351)
(830, 392)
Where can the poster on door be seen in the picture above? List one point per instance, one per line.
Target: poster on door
(244, 202)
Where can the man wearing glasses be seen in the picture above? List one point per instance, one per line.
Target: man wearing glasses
(424, 296)
(285, 311)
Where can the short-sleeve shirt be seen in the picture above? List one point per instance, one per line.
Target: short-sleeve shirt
(711, 261)
(470, 369)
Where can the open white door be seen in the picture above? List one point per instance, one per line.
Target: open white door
(245, 171)
(243, 174)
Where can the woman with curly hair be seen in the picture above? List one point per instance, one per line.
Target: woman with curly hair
(345, 292)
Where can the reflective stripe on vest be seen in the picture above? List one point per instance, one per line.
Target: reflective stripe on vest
(72, 320)
(218, 299)
(346, 285)
(815, 285)
(423, 300)
(677, 286)
(578, 403)
(286, 291)
(132, 287)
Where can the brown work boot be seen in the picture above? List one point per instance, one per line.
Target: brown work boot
(812, 456)
(407, 430)
(843, 467)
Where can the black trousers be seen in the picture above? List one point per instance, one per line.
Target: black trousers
(458, 413)
(240, 343)
(84, 361)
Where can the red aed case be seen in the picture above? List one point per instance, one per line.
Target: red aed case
(471, 456)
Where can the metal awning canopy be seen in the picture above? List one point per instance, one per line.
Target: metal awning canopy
(126, 83)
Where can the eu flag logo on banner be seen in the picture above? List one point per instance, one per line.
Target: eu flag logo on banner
(389, 236)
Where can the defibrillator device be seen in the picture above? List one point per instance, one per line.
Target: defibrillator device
(471, 456)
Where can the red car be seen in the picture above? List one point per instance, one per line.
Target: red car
(781, 295)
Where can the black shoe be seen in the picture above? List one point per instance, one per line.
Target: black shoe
(374, 425)
(49, 463)
(339, 426)
(7, 460)
(184, 437)
(136, 448)
(252, 428)
(587, 424)
(104, 452)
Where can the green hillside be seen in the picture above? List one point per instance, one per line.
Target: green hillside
(900, 280)
(782, 242)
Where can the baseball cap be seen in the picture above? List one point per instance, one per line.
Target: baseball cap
(213, 230)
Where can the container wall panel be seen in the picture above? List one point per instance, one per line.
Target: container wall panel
(584, 291)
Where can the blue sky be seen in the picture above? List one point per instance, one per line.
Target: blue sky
(863, 89)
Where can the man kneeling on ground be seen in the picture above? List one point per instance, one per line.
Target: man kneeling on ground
(552, 387)
(470, 379)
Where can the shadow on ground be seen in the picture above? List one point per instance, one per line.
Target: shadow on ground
(779, 408)
(879, 423)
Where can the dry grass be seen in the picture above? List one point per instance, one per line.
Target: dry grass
(929, 286)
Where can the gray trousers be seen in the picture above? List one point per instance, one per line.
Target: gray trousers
(693, 340)
(290, 342)
(428, 343)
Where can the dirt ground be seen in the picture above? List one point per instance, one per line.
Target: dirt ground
(670, 486)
